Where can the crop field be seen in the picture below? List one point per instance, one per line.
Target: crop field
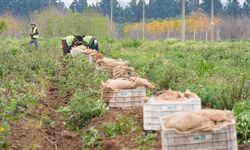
(51, 102)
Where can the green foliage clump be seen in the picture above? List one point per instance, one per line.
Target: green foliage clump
(4, 132)
(122, 126)
(91, 138)
(82, 109)
(53, 22)
(24, 78)
(242, 112)
(146, 141)
(3, 25)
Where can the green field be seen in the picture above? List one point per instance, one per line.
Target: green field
(56, 100)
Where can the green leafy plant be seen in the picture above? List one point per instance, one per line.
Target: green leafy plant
(123, 125)
(91, 138)
(147, 141)
(4, 132)
(242, 113)
(82, 109)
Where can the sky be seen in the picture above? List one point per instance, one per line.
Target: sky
(123, 2)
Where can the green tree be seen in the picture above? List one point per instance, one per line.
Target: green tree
(246, 8)
(164, 8)
(104, 7)
(206, 6)
(233, 8)
(78, 5)
(27, 7)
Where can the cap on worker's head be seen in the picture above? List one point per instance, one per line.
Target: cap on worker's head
(33, 24)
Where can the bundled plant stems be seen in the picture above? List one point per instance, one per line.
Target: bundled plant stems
(204, 120)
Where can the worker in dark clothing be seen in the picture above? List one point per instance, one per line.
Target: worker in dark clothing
(71, 41)
(34, 35)
(90, 42)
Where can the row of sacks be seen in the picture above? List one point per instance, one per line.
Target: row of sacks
(125, 89)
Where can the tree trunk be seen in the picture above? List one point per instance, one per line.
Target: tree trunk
(206, 35)
(218, 34)
(194, 35)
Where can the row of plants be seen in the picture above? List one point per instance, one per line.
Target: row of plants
(25, 73)
(83, 82)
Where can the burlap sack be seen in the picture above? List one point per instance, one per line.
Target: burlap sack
(111, 63)
(142, 82)
(187, 121)
(217, 115)
(170, 95)
(122, 72)
(96, 56)
(88, 51)
(116, 84)
(189, 94)
(204, 120)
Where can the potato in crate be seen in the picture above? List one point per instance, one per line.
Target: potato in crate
(202, 130)
(166, 103)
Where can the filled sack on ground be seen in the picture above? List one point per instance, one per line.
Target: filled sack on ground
(109, 63)
(88, 51)
(122, 71)
(96, 56)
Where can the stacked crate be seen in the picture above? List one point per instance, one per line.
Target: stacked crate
(154, 109)
(223, 138)
(125, 98)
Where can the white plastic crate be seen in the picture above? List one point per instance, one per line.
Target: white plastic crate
(154, 109)
(224, 138)
(125, 98)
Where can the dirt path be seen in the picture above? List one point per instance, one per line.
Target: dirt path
(43, 128)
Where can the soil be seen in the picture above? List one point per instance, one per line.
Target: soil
(32, 132)
(244, 146)
(121, 141)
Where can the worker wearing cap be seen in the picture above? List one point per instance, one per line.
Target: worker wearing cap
(70, 41)
(90, 42)
(34, 35)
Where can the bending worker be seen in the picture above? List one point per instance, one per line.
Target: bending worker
(71, 41)
(90, 42)
(34, 35)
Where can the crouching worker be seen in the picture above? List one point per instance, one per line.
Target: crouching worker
(71, 41)
(90, 42)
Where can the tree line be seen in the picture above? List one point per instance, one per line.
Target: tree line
(155, 9)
